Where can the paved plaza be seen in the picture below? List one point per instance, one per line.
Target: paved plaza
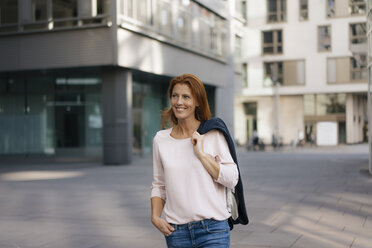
(296, 197)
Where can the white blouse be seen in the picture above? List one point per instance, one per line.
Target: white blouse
(180, 179)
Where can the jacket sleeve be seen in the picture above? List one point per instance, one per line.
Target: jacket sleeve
(158, 184)
(228, 175)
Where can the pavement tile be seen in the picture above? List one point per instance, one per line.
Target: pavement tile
(320, 242)
(340, 221)
(368, 223)
(362, 242)
(269, 239)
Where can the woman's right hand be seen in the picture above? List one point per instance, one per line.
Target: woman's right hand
(162, 225)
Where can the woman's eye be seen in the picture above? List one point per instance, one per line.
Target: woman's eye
(187, 97)
(174, 95)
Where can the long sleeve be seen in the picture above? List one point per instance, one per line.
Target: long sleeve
(228, 175)
(158, 185)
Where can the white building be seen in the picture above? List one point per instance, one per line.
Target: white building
(89, 77)
(317, 51)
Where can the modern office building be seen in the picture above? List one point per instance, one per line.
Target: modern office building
(89, 77)
(369, 33)
(304, 65)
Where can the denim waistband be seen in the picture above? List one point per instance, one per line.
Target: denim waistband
(195, 224)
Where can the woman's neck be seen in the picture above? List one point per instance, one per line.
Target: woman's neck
(185, 128)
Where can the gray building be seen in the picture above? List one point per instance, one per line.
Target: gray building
(89, 77)
(369, 26)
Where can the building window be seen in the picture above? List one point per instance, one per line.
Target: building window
(358, 33)
(324, 38)
(273, 73)
(183, 26)
(245, 75)
(39, 10)
(272, 42)
(238, 48)
(346, 69)
(140, 10)
(358, 67)
(276, 10)
(163, 21)
(64, 9)
(304, 10)
(330, 104)
(309, 104)
(8, 11)
(241, 9)
(346, 8)
(357, 7)
(287, 73)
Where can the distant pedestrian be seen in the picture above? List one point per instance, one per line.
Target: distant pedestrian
(192, 171)
(301, 138)
(255, 139)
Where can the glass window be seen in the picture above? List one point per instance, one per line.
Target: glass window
(241, 9)
(304, 11)
(357, 7)
(330, 8)
(40, 82)
(272, 42)
(221, 36)
(250, 108)
(358, 33)
(184, 26)
(276, 10)
(103, 6)
(245, 75)
(8, 11)
(143, 11)
(324, 38)
(309, 104)
(238, 48)
(163, 20)
(39, 10)
(273, 73)
(64, 8)
(3, 83)
(330, 104)
(358, 68)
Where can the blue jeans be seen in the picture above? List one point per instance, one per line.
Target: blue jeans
(198, 234)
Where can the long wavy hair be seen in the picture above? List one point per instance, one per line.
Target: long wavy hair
(202, 112)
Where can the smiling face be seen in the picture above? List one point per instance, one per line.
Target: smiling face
(183, 102)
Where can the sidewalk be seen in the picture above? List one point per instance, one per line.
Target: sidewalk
(295, 198)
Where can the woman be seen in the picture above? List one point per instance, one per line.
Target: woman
(191, 172)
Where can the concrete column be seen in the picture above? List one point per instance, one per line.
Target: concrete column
(349, 119)
(117, 116)
(87, 8)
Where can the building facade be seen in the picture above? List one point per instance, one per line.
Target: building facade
(369, 33)
(304, 70)
(89, 77)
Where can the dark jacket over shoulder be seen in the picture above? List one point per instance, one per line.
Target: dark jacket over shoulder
(218, 124)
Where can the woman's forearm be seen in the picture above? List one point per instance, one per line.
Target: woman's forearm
(157, 205)
(210, 164)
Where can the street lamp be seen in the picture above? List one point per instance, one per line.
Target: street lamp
(274, 79)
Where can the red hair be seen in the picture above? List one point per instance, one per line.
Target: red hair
(202, 112)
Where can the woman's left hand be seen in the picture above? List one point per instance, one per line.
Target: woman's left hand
(197, 140)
